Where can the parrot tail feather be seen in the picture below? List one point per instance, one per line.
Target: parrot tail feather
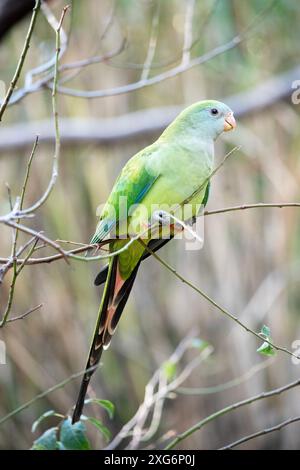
(114, 298)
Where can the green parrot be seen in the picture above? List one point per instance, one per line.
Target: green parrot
(174, 169)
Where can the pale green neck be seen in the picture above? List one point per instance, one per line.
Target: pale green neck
(189, 139)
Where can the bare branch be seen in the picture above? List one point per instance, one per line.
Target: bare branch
(188, 32)
(152, 80)
(152, 43)
(215, 304)
(62, 384)
(54, 174)
(144, 122)
(278, 427)
(53, 22)
(25, 314)
(230, 408)
(156, 391)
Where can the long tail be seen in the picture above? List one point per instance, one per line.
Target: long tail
(114, 298)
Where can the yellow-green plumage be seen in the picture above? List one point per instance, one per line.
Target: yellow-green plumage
(167, 172)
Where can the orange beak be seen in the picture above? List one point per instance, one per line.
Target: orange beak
(229, 123)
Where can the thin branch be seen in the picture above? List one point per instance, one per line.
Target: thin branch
(50, 259)
(227, 385)
(9, 261)
(21, 60)
(53, 22)
(278, 427)
(188, 32)
(152, 80)
(25, 314)
(92, 60)
(173, 72)
(143, 123)
(152, 43)
(230, 408)
(39, 235)
(259, 205)
(156, 391)
(85, 247)
(62, 384)
(16, 272)
(54, 174)
(215, 304)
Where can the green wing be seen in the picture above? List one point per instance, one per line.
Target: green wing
(130, 188)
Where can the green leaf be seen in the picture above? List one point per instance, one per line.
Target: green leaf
(73, 436)
(199, 344)
(60, 446)
(106, 404)
(265, 331)
(266, 350)
(42, 417)
(103, 429)
(47, 441)
(170, 369)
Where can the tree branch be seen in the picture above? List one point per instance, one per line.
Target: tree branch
(230, 408)
(141, 123)
(261, 433)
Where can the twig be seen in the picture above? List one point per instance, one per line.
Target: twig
(39, 235)
(22, 58)
(261, 433)
(25, 314)
(230, 408)
(16, 272)
(152, 43)
(50, 259)
(145, 122)
(188, 32)
(215, 304)
(156, 391)
(54, 174)
(259, 205)
(9, 261)
(212, 173)
(152, 80)
(42, 395)
(227, 385)
(53, 22)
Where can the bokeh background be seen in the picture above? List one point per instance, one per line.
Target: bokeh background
(250, 260)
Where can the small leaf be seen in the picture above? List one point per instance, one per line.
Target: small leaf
(103, 429)
(73, 436)
(42, 417)
(266, 350)
(47, 441)
(170, 369)
(106, 404)
(265, 331)
(199, 344)
(60, 446)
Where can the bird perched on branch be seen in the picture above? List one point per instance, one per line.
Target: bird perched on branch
(172, 172)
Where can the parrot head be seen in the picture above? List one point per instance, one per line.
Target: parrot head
(207, 118)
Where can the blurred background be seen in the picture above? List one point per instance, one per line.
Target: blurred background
(250, 260)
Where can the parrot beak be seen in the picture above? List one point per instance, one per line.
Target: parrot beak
(229, 123)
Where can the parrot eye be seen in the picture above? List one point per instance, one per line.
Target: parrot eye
(214, 111)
